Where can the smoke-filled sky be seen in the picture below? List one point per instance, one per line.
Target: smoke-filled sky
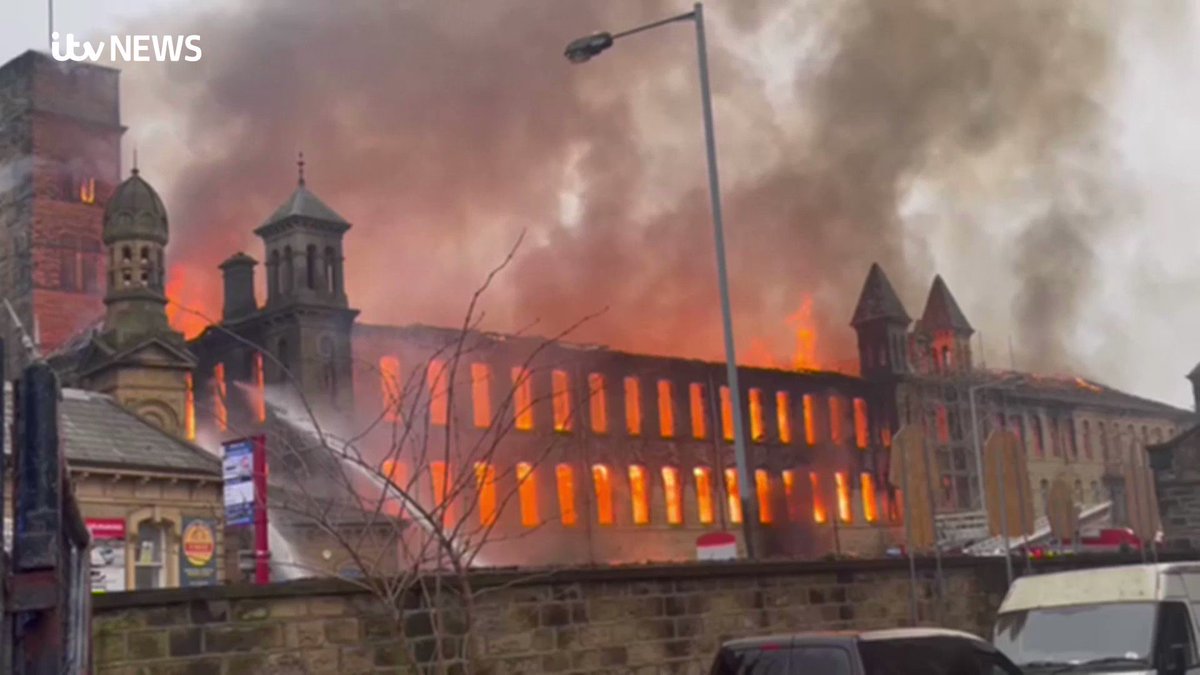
(1038, 155)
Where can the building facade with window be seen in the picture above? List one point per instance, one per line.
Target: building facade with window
(60, 135)
(564, 453)
(1090, 436)
(152, 502)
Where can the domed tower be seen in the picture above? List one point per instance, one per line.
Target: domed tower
(136, 357)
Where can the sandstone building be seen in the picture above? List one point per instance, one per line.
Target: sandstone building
(568, 453)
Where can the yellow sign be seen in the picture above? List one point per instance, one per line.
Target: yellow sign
(199, 543)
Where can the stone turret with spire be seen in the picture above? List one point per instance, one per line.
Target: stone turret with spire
(882, 327)
(135, 356)
(942, 337)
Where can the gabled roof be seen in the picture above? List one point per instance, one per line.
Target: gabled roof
(304, 204)
(97, 432)
(942, 312)
(878, 300)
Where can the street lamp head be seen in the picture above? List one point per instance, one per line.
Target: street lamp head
(585, 48)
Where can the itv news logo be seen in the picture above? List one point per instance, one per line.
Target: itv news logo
(128, 48)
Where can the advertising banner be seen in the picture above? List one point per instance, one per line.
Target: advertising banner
(108, 554)
(198, 553)
(239, 483)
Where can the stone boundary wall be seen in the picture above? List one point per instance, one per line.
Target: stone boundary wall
(645, 619)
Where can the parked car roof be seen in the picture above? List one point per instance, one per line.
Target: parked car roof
(864, 636)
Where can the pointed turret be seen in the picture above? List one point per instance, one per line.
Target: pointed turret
(878, 300)
(942, 311)
(882, 327)
(942, 340)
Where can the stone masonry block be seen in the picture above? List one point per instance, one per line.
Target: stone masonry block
(243, 638)
(305, 634)
(343, 632)
(327, 606)
(145, 645)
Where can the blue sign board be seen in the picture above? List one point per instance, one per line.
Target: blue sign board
(239, 484)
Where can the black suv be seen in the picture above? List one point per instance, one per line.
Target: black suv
(903, 651)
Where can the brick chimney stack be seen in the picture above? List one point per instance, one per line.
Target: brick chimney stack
(238, 272)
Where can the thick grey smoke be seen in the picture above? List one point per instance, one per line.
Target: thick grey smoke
(443, 129)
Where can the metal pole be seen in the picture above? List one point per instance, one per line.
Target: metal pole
(912, 561)
(749, 507)
(50, 21)
(978, 451)
(1001, 460)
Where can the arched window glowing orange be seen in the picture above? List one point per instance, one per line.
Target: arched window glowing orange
(810, 421)
(835, 420)
(522, 399)
(439, 393)
(862, 432)
(820, 513)
(757, 431)
(562, 400)
(633, 406)
(566, 494)
(190, 411)
(439, 475)
(870, 506)
(726, 414)
(639, 495)
(733, 497)
(673, 492)
(704, 497)
(481, 395)
(842, 485)
(597, 405)
(527, 493)
(699, 414)
(260, 388)
(762, 484)
(485, 483)
(219, 393)
(789, 495)
(395, 472)
(666, 409)
(389, 387)
(604, 495)
(783, 416)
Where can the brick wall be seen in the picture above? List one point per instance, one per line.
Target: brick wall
(653, 619)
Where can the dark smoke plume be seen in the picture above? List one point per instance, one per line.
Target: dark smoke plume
(443, 129)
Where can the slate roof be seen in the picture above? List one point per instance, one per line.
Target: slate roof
(1078, 391)
(96, 432)
(942, 311)
(878, 300)
(305, 204)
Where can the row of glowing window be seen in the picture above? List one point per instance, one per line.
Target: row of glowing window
(564, 413)
(487, 498)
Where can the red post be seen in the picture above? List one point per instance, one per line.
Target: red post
(262, 546)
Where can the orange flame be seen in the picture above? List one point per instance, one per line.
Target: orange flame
(801, 322)
(87, 191)
(180, 299)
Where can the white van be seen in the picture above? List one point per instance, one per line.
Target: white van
(1135, 619)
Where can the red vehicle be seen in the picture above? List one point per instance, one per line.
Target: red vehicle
(1112, 540)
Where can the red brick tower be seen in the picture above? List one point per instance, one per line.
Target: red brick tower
(60, 156)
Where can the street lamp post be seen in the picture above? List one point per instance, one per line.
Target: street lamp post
(582, 50)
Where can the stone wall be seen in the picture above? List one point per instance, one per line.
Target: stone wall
(652, 619)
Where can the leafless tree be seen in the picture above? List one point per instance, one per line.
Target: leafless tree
(405, 503)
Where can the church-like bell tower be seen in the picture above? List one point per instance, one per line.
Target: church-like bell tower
(136, 357)
(310, 320)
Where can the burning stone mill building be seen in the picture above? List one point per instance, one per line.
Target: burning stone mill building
(573, 453)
